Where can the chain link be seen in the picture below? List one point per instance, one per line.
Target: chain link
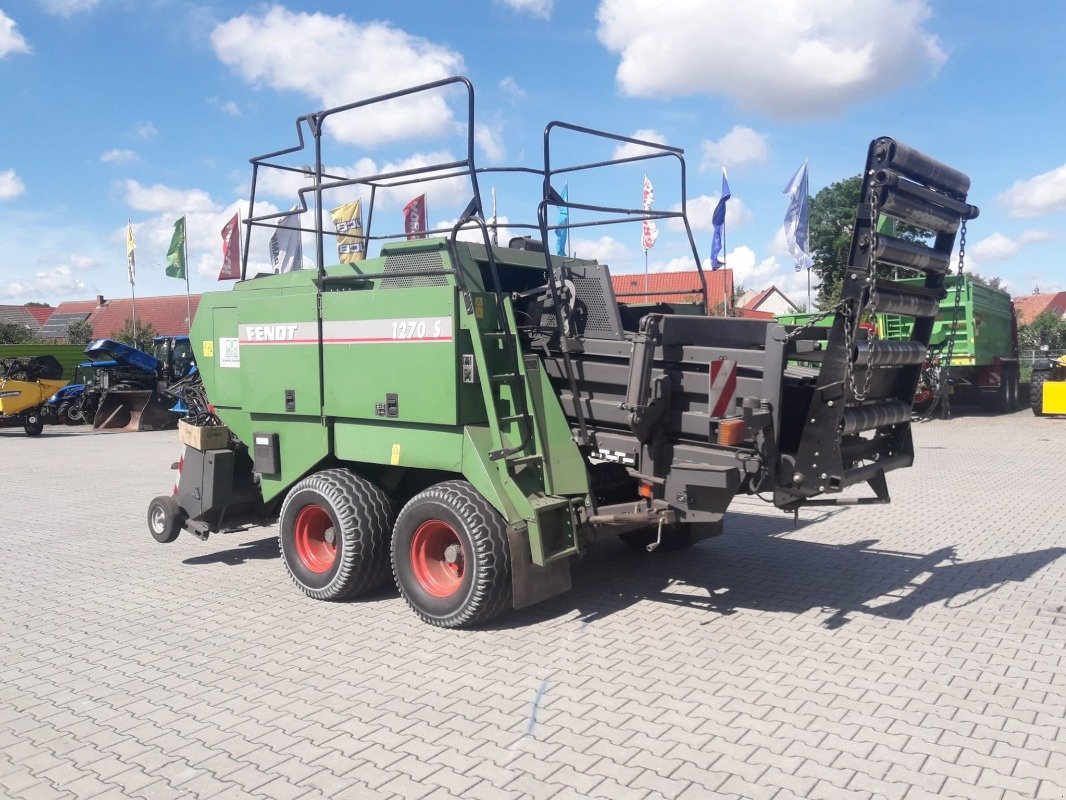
(943, 390)
(870, 305)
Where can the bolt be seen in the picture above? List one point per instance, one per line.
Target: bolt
(823, 476)
(797, 478)
(330, 536)
(453, 553)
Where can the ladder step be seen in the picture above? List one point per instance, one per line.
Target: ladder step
(505, 378)
(495, 334)
(889, 354)
(876, 415)
(514, 417)
(525, 459)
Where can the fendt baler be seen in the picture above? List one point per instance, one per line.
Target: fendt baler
(470, 417)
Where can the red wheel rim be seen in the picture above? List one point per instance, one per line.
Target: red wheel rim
(437, 558)
(315, 538)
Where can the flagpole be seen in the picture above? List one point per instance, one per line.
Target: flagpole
(725, 266)
(185, 249)
(645, 276)
(807, 191)
(133, 279)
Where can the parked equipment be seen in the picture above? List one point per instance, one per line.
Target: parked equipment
(25, 385)
(470, 417)
(974, 344)
(1047, 387)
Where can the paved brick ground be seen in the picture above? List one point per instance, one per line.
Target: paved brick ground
(910, 651)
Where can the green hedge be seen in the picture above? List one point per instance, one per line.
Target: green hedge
(69, 355)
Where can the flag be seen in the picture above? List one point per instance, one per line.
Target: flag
(718, 220)
(176, 253)
(414, 218)
(495, 222)
(561, 231)
(231, 250)
(286, 245)
(797, 221)
(131, 262)
(650, 231)
(348, 220)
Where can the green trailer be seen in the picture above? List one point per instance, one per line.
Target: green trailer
(468, 417)
(977, 340)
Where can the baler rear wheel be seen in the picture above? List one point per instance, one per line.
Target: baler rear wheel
(164, 519)
(450, 556)
(34, 423)
(334, 535)
(1036, 393)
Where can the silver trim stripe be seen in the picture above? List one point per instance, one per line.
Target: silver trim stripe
(361, 331)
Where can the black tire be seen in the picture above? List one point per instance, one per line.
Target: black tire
(34, 423)
(475, 585)
(333, 533)
(675, 537)
(1012, 391)
(164, 519)
(1036, 393)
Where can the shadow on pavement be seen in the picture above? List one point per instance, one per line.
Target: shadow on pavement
(757, 568)
(259, 550)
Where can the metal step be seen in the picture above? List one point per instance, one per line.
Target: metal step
(889, 354)
(905, 300)
(506, 377)
(536, 457)
(875, 415)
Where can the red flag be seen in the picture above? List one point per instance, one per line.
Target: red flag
(231, 250)
(414, 218)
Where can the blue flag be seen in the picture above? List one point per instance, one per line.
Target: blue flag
(797, 219)
(561, 231)
(718, 219)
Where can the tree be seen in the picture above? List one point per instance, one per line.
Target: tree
(15, 334)
(832, 219)
(80, 332)
(992, 282)
(1046, 329)
(145, 333)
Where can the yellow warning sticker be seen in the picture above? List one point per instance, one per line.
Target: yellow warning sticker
(479, 307)
(209, 348)
(395, 455)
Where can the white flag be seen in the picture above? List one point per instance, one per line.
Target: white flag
(797, 221)
(649, 230)
(286, 245)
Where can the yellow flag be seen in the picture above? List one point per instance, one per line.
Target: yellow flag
(348, 219)
(131, 264)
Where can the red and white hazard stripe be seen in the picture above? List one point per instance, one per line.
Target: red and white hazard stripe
(723, 388)
(181, 466)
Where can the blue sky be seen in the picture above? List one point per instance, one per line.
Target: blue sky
(116, 110)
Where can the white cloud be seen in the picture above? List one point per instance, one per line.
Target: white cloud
(1034, 197)
(144, 130)
(491, 143)
(757, 274)
(739, 147)
(629, 150)
(82, 261)
(11, 40)
(510, 86)
(701, 209)
(120, 156)
(997, 247)
(68, 8)
(55, 282)
(11, 185)
(225, 106)
(272, 47)
(605, 250)
(792, 60)
(158, 198)
(536, 8)
(471, 232)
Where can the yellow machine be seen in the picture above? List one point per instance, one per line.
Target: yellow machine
(1047, 391)
(25, 385)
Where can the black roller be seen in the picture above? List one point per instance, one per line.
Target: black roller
(891, 301)
(877, 415)
(901, 253)
(889, 354)
(919, 167)
(887, 179)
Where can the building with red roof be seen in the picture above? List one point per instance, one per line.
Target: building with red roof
(168, 314)
(40, 313)
(1030, 307)
(673, 287)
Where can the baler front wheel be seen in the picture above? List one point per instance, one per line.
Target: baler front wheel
(450, 556)
(334, 535)
(1036, 393)
(34, 423)
(164, 519)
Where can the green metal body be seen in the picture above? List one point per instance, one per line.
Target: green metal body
(984, 327)
(384, 393)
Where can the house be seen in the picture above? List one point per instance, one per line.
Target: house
(20, 316)
(1030, 307)
(673, 287)
(168, 314)
(771, 301)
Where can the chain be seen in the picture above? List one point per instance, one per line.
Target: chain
(852, 335)
(943, 392)
(810, 323)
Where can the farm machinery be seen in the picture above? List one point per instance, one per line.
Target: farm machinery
(467, 418)
(1047, 387)
(25, 385)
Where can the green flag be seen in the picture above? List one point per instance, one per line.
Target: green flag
(176, 253)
